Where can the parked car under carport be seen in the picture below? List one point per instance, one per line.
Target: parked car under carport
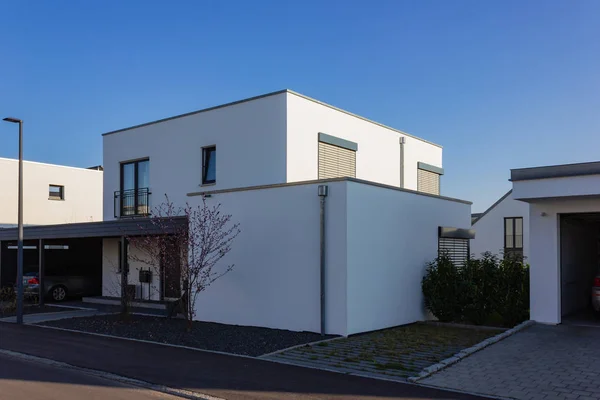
(58, 288)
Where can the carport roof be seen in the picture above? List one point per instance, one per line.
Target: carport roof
(116, 228)
(555, 171)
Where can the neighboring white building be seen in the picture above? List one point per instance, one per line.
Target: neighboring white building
(503, 228)
(52, 194)
(279, 137)
(564, 233)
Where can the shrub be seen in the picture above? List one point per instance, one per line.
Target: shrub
(482, 291)
(442, 289)
(513, 291)
(479, 281)
(8, 301)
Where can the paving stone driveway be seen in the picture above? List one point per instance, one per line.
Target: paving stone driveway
(395, 353)
(541, 362)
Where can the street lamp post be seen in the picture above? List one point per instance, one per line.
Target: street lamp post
(20, 222)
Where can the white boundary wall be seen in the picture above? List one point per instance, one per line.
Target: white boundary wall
(392, 234)
(378, 242)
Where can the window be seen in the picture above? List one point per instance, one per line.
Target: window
(56, 192)
(134, 193)
(513, 235)
(209, 165)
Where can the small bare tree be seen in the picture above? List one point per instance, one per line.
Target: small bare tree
(191, 250)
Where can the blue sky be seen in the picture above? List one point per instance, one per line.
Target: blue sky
(500, 84)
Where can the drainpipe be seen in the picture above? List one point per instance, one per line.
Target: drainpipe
(322, 194)
(402, 141)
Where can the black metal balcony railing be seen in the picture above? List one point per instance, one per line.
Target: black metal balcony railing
(132, 203)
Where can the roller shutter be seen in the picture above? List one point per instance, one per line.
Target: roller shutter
(428, 182)
(336, 162)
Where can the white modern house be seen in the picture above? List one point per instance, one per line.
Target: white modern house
(339, 214)
(53, 194)
(564, 236)
(503, 228)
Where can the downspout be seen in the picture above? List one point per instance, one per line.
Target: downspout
(402, 141)
(322, 191)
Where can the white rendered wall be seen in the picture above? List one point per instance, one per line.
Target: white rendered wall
(83, 194)
(275, 281)
(250, 140)
(391, 236)
(489, 230)
(378, 155)
(111, 278)
(544, 254)
(588, 185)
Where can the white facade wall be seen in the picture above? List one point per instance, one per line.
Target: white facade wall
(544, 257)
(378, 155)
(391, 237)
(275, 282)
(250, 141)
(586, 185)
(489, 229)
(82, 194)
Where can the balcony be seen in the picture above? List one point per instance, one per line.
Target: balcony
(132, 203)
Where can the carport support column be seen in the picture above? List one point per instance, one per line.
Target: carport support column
(124, 273)
(41, 272)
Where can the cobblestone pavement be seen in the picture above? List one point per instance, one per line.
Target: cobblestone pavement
(541, 362)
(395, 353)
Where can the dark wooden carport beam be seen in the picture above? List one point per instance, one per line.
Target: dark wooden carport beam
(41, 272)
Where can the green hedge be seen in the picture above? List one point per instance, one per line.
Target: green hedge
(484, 291)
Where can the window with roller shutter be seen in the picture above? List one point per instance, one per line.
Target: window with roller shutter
(336, 162)
(428, 182)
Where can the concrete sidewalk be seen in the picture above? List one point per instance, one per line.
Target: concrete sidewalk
(229, 377)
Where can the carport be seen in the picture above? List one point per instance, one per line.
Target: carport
(79, 248)
(564, 230)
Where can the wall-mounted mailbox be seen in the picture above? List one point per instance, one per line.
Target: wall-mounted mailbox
(145, 276)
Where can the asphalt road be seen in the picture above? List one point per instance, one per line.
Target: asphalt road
(33, 381)
(228, 377)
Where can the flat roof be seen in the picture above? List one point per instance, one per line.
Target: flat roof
(328, 180)
(263, 96)
(114, 228)
(555, 171)
(15, 160)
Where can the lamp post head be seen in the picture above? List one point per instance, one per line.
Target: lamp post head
(13, 120)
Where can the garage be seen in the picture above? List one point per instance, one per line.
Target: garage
(564, 237)
(579, 265)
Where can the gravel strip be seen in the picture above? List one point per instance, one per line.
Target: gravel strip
(245, 340)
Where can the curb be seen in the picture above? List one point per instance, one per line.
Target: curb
(186, 394)
(467, 352)
(316, 342)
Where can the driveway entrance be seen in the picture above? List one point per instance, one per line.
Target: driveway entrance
(541, 362)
